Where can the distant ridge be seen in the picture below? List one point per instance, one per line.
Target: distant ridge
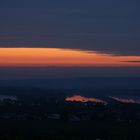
(77, 83)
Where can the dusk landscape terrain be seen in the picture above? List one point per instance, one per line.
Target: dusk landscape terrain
(69, 70)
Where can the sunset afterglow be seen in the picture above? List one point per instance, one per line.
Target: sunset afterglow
(61, 57)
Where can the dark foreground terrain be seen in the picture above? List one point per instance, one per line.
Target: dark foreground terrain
(34, 114)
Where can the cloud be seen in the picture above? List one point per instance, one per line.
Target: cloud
(104, 26)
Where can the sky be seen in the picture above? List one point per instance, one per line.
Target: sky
(85, 33)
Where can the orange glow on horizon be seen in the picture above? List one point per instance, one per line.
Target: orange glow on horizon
(61, 57)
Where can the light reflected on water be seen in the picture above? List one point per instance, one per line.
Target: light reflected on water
(78, 98)
(125, 100)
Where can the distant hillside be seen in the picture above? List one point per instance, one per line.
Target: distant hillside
(107, 83)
